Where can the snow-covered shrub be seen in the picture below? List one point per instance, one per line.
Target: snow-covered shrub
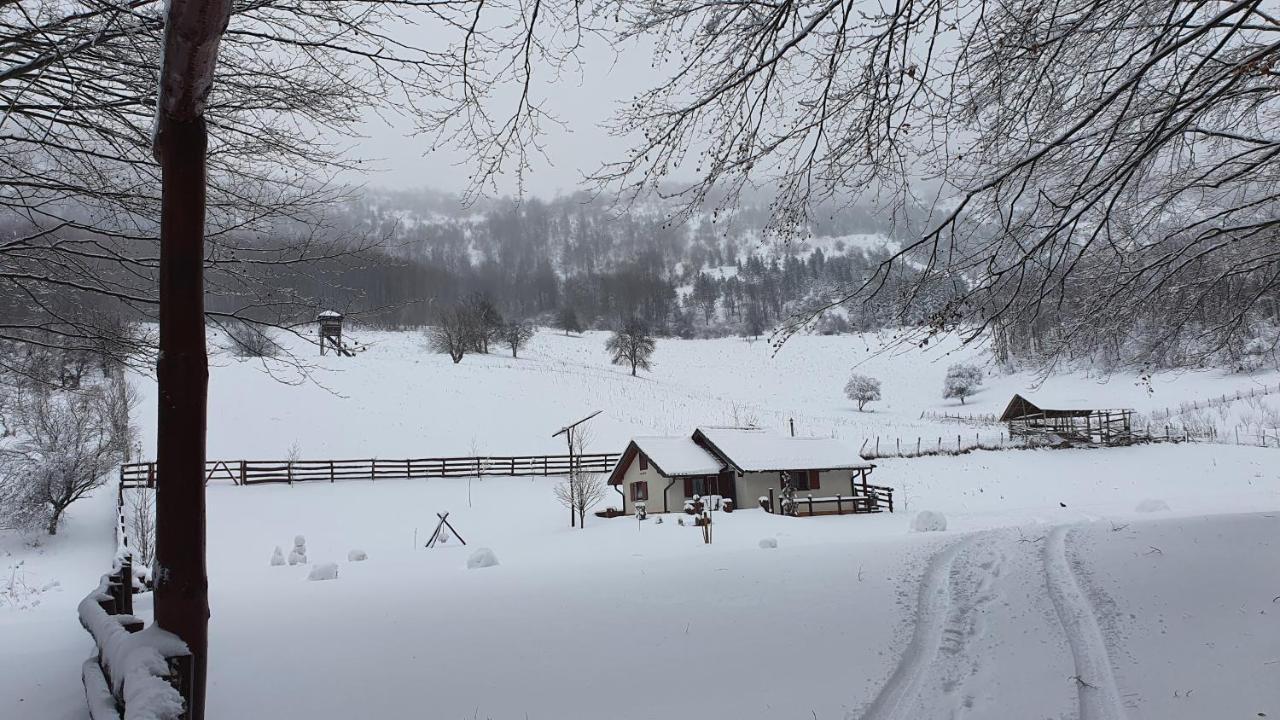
(323, 571)
(963, 380)
(642, 509)
(357, 556)
(277, 557)
(248, 340)
(929, 521)
(1151, 505)
(862, 389)
(764, 503)
(768, 543)
(727, 505)
(65, 445)
(481, 558)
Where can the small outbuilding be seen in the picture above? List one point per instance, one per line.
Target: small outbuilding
(1072, 425)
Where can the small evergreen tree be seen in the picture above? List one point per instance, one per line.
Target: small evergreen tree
(567, 320)
(632, 344)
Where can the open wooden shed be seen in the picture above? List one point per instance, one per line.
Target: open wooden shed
(1076, 425)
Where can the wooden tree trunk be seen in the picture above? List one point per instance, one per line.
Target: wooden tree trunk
(193, 29)
(181, 588)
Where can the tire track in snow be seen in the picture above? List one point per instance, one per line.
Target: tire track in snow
(1096, 691)
(894, 701)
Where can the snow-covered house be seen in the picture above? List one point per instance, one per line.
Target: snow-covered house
(740, 464)
(662, 472)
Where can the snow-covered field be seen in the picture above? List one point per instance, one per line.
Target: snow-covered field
(1124, 583)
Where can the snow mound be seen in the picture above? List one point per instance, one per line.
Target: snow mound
(277, 557)
(324, 571)
(357, 556)
(929, 521)
(768, 543)
(482, 558)
(1151, 505)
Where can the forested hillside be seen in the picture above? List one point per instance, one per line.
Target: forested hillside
(533, 259)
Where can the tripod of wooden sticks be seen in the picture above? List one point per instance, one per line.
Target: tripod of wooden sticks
(444, 523)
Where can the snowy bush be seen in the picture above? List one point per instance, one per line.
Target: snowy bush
(323, 571)
(277, 557)
(929, 521)
(65, 445)
(1151, 505)
(963, 380)
(248, 340)
(862, 389)
(357, 556)
(769, 543)
(481, 558)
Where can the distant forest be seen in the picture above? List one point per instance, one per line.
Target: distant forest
(536, 259)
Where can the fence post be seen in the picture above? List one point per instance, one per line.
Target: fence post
(290, 471)
(839, 506)
(810, 504)
(771, 505)
(917, 445)
(373, 469)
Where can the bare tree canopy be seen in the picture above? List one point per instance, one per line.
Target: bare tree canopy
(80, 191)
(1112, 160)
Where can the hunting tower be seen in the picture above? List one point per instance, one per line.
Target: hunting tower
(331, 331)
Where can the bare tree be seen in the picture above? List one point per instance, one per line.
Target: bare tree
(1109, 167)
(249, 340)
(142, 525)
(80, 189)
(65, 448)
(454, 332)
(632, 344)
(862, 389)
(963, 380)
(516, 335)
(580, 492)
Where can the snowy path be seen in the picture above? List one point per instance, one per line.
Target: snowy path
(1002, 630)
(1095, 682)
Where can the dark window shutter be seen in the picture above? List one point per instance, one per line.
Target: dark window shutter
(815, 481)
(644, 461)
(688, 487)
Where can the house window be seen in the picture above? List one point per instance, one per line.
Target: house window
(644, 462)
(700, 486)
(805, 479)
(639, 491)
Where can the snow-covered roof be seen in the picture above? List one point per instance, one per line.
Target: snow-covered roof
(760, 450)
(330, 314)
(678, 456)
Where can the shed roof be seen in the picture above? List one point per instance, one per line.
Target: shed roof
(752, 450)
(329, 314)
(1020, 407)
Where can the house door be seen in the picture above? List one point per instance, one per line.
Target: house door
(726, 485)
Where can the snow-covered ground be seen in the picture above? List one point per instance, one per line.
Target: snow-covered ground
(399, 400)
(1134, 583)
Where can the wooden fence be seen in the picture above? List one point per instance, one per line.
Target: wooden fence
(254, 472)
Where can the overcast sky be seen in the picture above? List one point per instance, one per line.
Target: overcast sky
(582, 99)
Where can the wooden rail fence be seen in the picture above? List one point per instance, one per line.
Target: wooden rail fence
(255, 472)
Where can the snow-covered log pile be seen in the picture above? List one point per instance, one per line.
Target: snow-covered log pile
(129, 677)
